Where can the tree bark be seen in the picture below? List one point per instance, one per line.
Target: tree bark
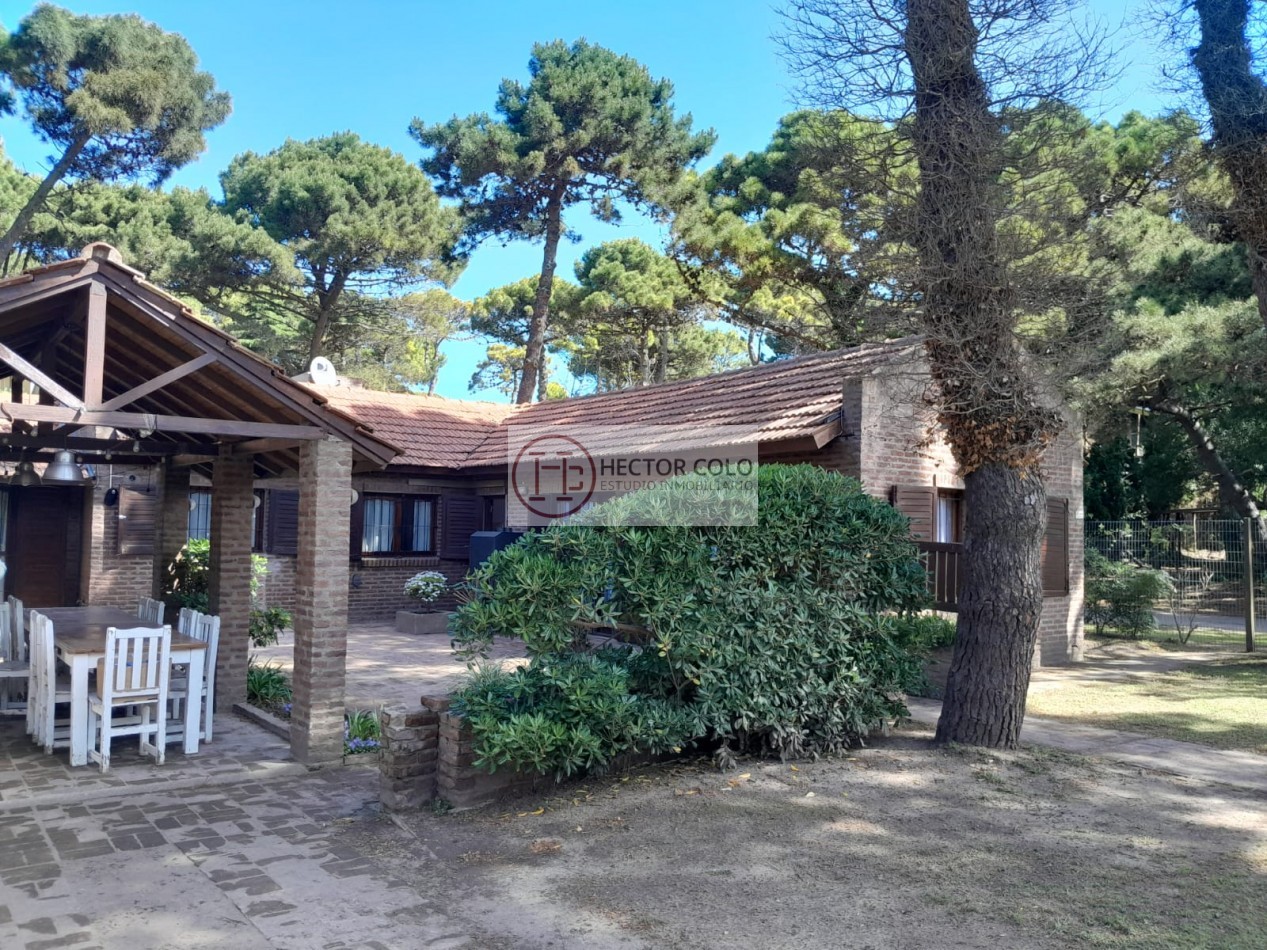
(327, 301)
(17, 230)
(1005, 515)
(992, 420)
(1237, 98)
(662, 356)
(1232, 492)
(534, 350)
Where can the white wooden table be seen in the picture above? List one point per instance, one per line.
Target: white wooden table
(79, 637)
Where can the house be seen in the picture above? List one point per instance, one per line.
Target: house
(428, 472)
(858, 411)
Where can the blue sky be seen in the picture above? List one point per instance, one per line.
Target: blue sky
(306, 68)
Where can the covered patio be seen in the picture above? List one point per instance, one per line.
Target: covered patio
(137, 393)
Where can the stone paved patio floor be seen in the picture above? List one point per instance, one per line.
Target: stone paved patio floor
(240, 750)
(236, 849)
(385, 667)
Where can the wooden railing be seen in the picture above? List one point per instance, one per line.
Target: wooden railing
(943, 562)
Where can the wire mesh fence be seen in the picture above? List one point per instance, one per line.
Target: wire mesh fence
(1180, 580)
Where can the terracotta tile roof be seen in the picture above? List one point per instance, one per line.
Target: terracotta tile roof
(432, 430)
(786, 399)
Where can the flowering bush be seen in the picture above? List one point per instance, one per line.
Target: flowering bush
(426, 587)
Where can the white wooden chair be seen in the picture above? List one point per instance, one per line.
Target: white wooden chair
(13, 649)
(206, 628)
(185, 621)
(15, 670)
(16, 617)
(150, 610)
(48, 690)
(133, 673)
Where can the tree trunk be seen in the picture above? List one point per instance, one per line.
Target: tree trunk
(662, 356)
(1005, 514)
(17, 230)
(644, 357)
(327, 302)
(1232, 493)
(543, 378)
(988, 410)
(1237, 98)
(534, 351)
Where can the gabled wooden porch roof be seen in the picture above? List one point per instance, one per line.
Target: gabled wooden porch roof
(126, 371)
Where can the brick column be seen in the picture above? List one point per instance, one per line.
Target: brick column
(232, 530)
(321, 602)
(407, 762)
(172, 528)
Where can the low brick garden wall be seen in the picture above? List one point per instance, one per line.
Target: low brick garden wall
(428, 755)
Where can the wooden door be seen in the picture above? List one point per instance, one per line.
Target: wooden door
(45, 545)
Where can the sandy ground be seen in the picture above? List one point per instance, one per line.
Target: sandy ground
(896, 846)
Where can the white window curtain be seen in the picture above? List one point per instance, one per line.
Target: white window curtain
(946, 519)
(424, 513)
(380, 524)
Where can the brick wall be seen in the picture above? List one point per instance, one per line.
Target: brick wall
(428, 753)
(377, 585)
(111, 579)
(901, 445)
(1060, 630)
(277, 586)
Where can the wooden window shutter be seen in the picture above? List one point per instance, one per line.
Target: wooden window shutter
(459, 518)
(1055, 554)
(357, 527)
(920, 505)
(283, 522)
(137, 521)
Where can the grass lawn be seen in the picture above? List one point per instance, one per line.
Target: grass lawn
(1219, 704)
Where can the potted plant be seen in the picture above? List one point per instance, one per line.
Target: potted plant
(425, 587)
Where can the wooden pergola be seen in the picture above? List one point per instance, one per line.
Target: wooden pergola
(111, 368)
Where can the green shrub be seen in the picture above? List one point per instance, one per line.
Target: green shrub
(1122, 595)
(921, 634)
(777, 637)
(187, 586)
(267, 686)
(266, 624)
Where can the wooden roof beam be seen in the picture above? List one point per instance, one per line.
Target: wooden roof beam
(94, 344)
(158, 382)
(256, 446)
(119, 447)
(225, 428)
(41, 379)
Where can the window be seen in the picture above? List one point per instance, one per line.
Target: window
(949, 517)
(200, 518)
(397, 524)
(936, 513)
(199, 515)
